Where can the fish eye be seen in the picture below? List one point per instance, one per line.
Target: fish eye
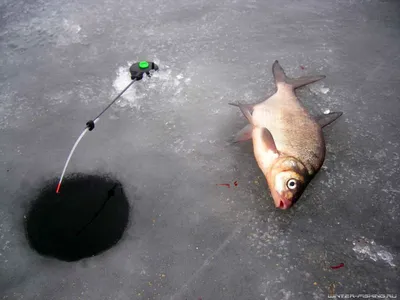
(291, 184)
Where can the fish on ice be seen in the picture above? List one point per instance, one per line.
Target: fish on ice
(288, 142)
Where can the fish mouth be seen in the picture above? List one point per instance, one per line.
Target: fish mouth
(281, 202)
(284, 204)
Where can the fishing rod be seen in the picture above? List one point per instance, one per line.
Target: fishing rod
(137, 70)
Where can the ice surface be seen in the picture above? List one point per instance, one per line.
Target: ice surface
(167, 140)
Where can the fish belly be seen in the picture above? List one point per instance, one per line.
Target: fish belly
(294, 131)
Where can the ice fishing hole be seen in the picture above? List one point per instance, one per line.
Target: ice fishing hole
(87, 217)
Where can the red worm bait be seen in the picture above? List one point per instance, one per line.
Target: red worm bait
(225, 184)
(341, 265)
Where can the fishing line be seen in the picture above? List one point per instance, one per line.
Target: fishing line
(110, 193)
(137, 71)
(116, 98)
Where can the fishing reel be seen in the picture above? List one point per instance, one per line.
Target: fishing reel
(137, 70)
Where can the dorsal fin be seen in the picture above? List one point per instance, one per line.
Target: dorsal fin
(281, 78)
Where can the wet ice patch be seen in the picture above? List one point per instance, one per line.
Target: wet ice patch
(324, 90)
(70, 33)
(368, 249)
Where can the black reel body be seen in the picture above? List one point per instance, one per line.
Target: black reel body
(137, 70)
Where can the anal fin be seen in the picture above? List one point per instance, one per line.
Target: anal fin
(244, 135)
(326, 119)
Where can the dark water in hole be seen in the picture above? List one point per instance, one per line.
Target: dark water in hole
(87, 217)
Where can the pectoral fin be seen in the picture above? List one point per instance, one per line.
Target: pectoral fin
(263, 135)
(326, 119)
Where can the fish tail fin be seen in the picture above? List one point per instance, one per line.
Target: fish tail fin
(294, 83)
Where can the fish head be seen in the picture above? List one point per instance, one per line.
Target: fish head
(287, 180)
